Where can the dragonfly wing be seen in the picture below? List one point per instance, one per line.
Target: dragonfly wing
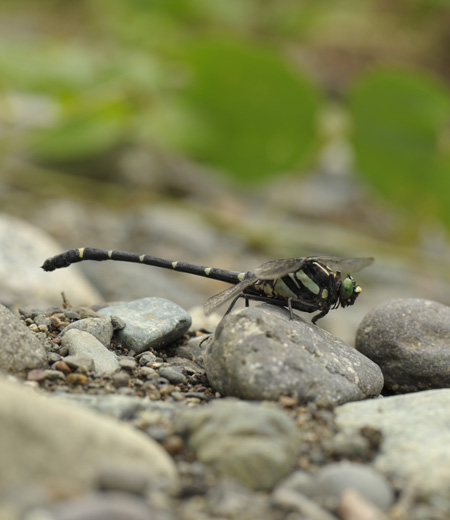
(344, 265)
(279, 268)
(229, 293)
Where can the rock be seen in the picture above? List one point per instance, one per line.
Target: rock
(23, 248)
(332, 480)
(229, 499)
(113, 477)
(353, 506)
(150, 323)
(20, 349)
(172, 374)
(100, 328)
(80, 363)
(122, 407)
(59, 446)
(259, 353)
(83, 344)
(409, 339)
(96, 506)
(120, 379)
(414, 450)
(251, 443)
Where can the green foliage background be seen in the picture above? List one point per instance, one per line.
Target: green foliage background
(234, 85)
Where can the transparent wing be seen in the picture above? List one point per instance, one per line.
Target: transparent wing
(344, 265)
(231, 292)
(279, 268)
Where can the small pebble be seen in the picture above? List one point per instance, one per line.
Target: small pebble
(55, 375)
(127, 363)
(167, 389)
(148, 372)
(120, 379)
(63, 367)
(53, 357)
(37, 374)
(147, 358)
(82, 363)
(172, 374)
(77, 379)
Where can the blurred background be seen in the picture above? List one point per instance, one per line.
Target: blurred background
(227, 134)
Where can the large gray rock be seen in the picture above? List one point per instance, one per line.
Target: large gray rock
(59, 446)
(415, 438)
(20, 349)
(259, 353)
(23, 248)
(409, 339)
(251, 443)
(149, 323)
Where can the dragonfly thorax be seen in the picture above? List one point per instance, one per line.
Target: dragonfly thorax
(314, 285)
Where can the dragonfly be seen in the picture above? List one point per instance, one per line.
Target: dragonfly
(307, 284)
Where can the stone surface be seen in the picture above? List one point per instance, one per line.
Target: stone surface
(20, 349)
(259, 353)
(332, 480)
(100, 328)
(251, 443)
(60, 446)
(150, 323)
(102, 506)
(409, 339)
(415, 438)
(23, 248)
(84, 345)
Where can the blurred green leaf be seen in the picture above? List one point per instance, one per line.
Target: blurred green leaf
(82, 135)
(255, 115)
(400, 121)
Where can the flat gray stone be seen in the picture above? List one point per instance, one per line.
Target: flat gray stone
(84, 345)
(150, 323)
(409, 339)
(416, 438)
(20, 349)
(254, 444)
(259, 353)
(51, 442)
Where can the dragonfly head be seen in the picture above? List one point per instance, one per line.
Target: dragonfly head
(348, 291)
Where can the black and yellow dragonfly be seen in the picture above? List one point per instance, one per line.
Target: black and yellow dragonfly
(306, 284)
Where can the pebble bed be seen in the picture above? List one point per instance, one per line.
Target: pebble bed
(196, 452)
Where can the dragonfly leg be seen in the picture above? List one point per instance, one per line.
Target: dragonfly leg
(319, 316)
(291, 314)
(233, 303)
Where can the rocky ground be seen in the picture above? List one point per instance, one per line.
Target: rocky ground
(138, 409)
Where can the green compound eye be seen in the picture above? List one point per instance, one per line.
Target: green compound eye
(346, 289)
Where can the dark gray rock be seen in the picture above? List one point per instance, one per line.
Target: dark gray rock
(173, 375)
(415, 438)
(82, 344)
(20, 349)
(409, 339)
(150, 323)
(100, 328)
(259, 353)
(251, 443)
